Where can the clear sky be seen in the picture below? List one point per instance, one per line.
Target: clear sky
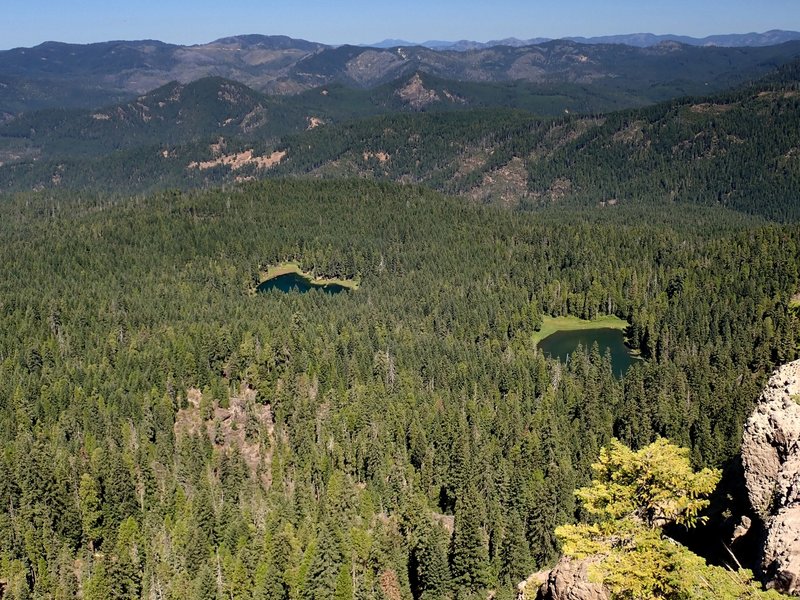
(30, 22)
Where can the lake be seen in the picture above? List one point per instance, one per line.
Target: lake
(563, 343)
(294, 282)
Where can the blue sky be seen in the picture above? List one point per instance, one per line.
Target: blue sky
(30, 22)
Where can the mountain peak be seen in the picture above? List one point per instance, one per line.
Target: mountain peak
(392, 43)
(267, 42)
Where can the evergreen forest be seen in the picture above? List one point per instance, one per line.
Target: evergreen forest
(168, 433)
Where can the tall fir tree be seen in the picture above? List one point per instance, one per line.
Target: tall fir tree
(469, 553)
(515, 553)
(325, 567)
(429, 561)
(91, 511)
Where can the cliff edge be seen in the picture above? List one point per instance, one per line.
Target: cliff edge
(771, 460)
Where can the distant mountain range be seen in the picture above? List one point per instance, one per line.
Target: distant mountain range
(57, 75)
(737, 149)
(640, 40)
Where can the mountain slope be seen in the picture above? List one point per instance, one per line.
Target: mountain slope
(670, 63)
(734, 40)
(109, 71)
(179, 114)
(738, 150)
(88, 76)
(641, 40)
(174, 113)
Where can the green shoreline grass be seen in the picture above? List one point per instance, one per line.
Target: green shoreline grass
(292, 267)
(552, 324)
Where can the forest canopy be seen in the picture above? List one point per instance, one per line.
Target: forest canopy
(632, 496)
(165, 433)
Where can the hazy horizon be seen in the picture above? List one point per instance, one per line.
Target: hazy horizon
(404, 40)
(354, 22)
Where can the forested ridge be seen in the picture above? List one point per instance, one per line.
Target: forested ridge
(167, 433)
(58, 75)
(735, 149)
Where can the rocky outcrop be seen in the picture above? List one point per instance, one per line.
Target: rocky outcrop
(416, 94)
(771, 459)
(568, 580)
(244, 426)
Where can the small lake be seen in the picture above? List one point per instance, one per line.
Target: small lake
(563, 343)
(294, 282)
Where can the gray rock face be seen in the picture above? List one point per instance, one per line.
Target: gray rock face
(771, 459)
(569, 580)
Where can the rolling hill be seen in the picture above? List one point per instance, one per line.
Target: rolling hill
(642, 40)
(93, 75)
(736, 149)
(177, 114)
(56, 75)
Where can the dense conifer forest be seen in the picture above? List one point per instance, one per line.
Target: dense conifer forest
(735, 149)
(167, 433)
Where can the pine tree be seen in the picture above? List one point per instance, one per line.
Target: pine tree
(97, 586)
(632, 496)
(275, 585)
(91, 512)
(325, 566)
(205, 584)
(429, 559)
(119, 493)
(203, 513)
(125, 571)
(515, 553)
(343, 589)
(469, 554)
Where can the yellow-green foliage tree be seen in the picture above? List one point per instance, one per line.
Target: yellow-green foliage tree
(633, 495)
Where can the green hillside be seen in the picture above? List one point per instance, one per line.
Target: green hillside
(277, 329)
(736, 149)
(167, 432)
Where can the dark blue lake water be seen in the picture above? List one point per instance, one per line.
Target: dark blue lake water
(562, 344)
(294, 282)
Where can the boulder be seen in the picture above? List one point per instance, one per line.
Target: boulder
(568, 580)
(771, 460)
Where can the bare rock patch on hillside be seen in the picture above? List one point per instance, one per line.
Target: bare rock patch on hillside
(244, 425)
